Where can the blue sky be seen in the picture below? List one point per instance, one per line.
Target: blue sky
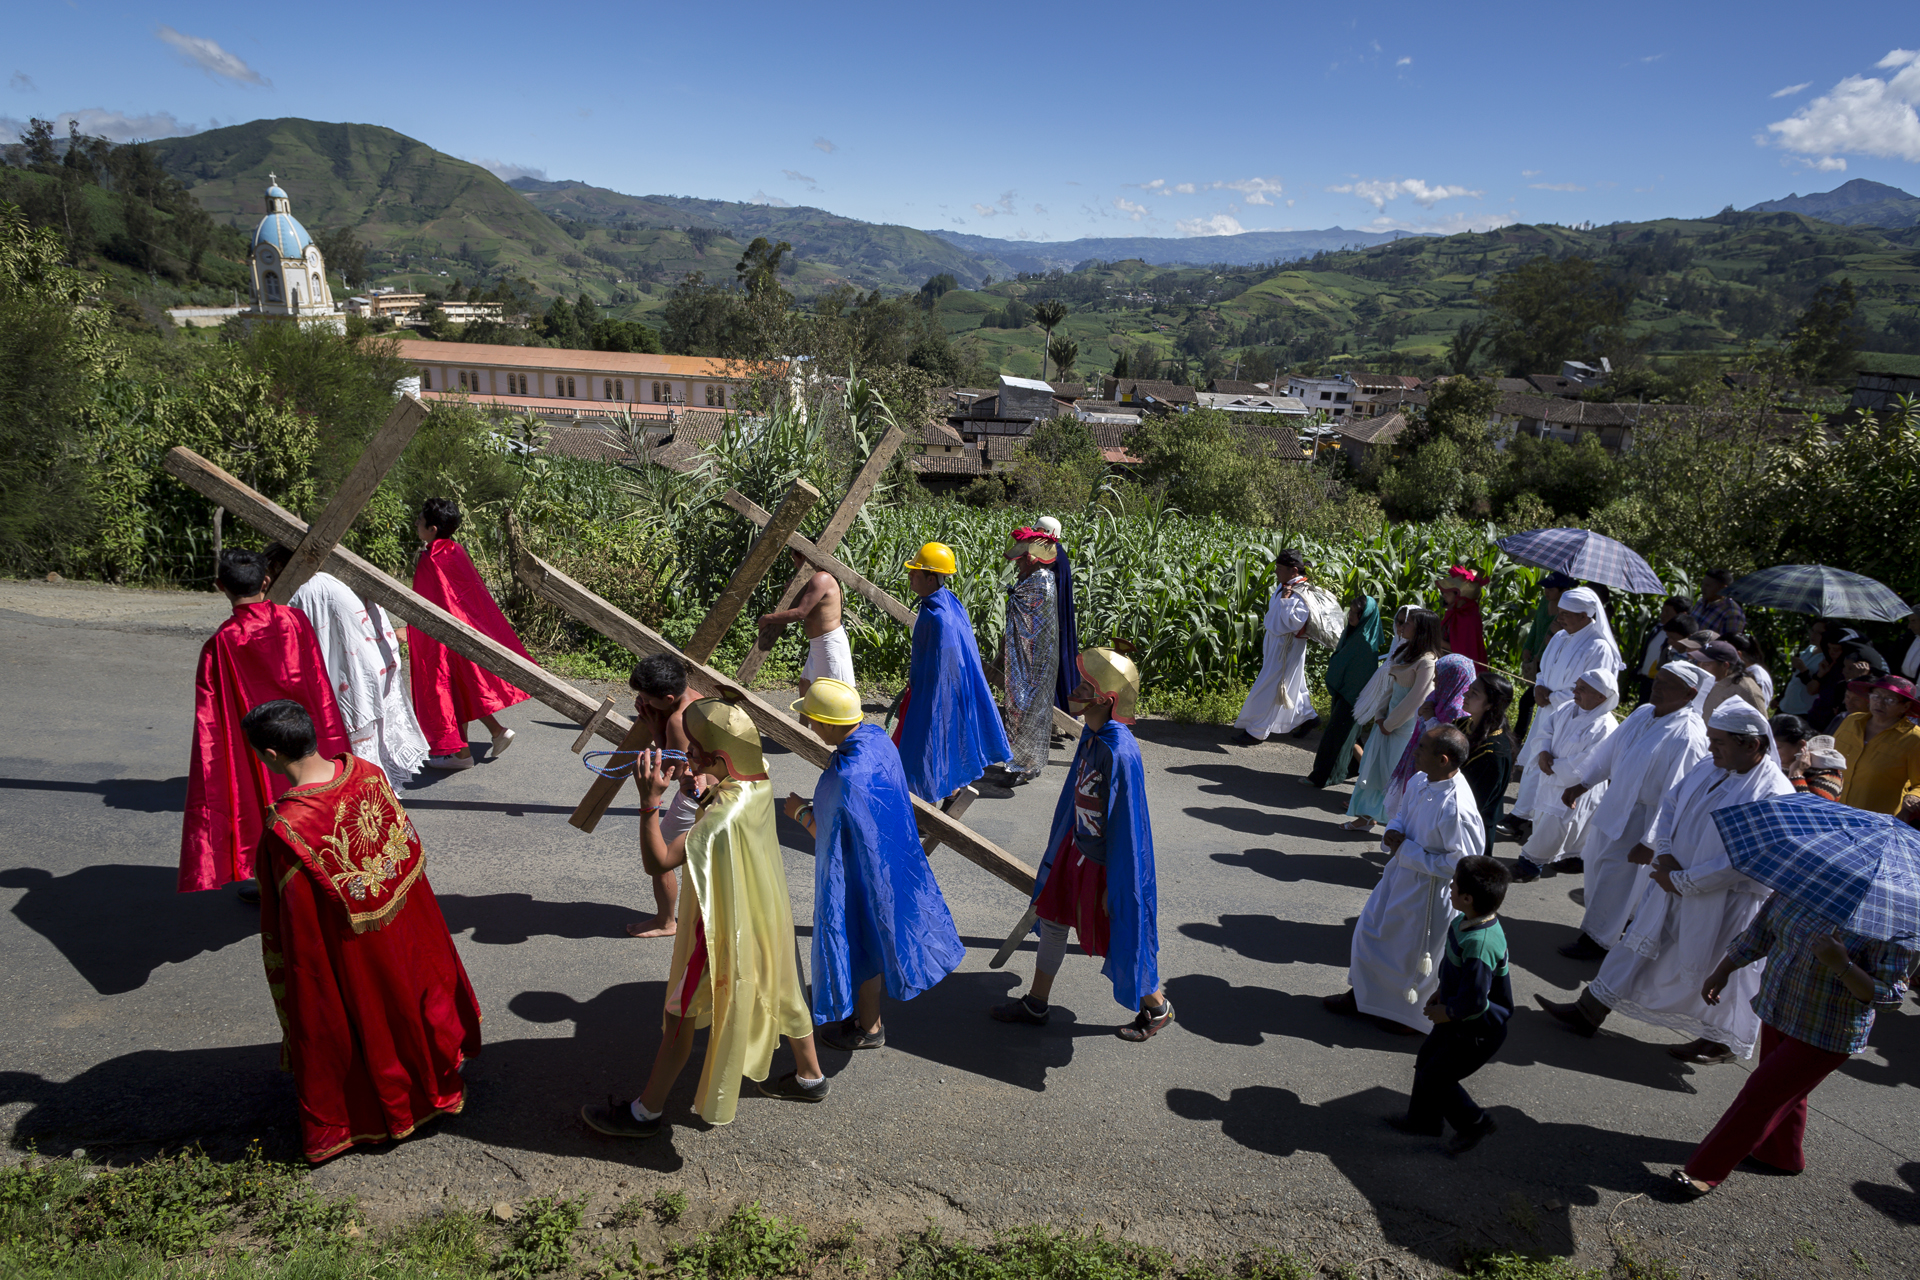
(1045, 121)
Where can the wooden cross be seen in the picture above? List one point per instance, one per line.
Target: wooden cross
(325, 533)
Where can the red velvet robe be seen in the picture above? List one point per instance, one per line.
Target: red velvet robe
(449, 691)
(263, 653)
(375, 1006)
(1466, 633)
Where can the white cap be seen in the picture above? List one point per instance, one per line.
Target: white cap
(1737, 715)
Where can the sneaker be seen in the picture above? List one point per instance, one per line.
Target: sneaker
(1467, 1139)
(501, 741)
(450, 763)
(1526, 871)
(847, 1036)
(1021, 1009)
(615, 1119)
(788, 1088)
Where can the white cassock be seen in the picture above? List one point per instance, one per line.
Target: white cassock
(1569, 656)
(1278, 701)
(1405, 920)
(363, 661)
(1637, 764)
(1655, 972)
(1572, 736)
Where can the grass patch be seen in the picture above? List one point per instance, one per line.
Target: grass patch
(1212, 705)
(750, 1245)
(1518, 1266)
(541, 1239)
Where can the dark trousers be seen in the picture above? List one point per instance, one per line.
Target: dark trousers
(1521, 720)
(1452, 1052)
(1333, 761)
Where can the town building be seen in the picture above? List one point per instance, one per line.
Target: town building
(565, 383)
(287, 273)
(1333, 396)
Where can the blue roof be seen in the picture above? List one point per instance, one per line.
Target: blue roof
(276, 191)
(284, 232)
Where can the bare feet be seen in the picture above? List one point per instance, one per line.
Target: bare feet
(655, 927)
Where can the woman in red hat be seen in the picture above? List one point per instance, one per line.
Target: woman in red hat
(1882, 746)
(1465, 630)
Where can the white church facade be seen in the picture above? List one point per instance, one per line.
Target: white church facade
(289, 275)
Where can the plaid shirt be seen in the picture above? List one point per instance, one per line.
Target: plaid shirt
(1801, 997)
(1723, 615)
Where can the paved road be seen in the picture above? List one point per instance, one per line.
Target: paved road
(137, 1017)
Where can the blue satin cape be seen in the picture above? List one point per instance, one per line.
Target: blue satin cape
(876, 907)
(1133, 897)
(1069, 676)
(952, 730)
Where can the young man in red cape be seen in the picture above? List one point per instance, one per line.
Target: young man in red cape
(375, 1008)
(1466, 630)
(449, 691)
(265, 651)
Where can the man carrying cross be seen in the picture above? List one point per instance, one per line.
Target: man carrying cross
(449, 691)
(949, 730)
(819, 608)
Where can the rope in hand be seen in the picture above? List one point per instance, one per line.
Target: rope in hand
(625, 769)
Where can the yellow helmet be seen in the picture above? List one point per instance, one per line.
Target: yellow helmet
(725, 730)
(1117, 679)
(934, 557)
(831, 702)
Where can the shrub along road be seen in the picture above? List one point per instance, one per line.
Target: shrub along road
(138, 1019)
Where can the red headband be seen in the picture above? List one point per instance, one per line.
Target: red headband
(1461, 571)
(1024, 534)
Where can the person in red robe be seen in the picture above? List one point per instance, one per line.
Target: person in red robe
(376, 1012)
(263, 652)
(449, 691)
(1465, 630)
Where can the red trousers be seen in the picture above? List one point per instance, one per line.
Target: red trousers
(1769, 1118)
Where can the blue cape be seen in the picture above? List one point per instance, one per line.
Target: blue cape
(1133, 898)
(876, 906)
(951, 730)
(1069, 633)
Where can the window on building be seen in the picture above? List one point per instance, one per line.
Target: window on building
(426, 379)
(273, 286)
(619, 389)
(570, 391)
(716, 395)
(657, 397)
(463, 379)
(1326, 395)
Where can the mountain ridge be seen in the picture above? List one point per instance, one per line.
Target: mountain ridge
(1246, 248)
(1857, 203)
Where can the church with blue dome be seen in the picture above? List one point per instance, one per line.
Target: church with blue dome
(289, 274)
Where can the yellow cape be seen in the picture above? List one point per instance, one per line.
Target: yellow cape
(736, 887)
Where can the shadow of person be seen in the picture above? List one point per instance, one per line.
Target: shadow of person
(1534, 1038)
(1357, 870)
(1214, 1009)
(1185, 737)
(1245, 783)
(1896, 1036)
(1277, 941)
(116, 923)
(949, 1025)
(1260, 822)
(1533, 946)
(1422, 1201)
(1902, 1204)
(508, 919)
(141, 795)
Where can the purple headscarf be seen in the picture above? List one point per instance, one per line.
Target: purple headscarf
(1453, 675)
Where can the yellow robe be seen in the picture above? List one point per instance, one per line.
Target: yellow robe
(736, 890)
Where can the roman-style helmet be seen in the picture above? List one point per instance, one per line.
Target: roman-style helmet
(725, 730)
(1038, 544)
(1116, 677)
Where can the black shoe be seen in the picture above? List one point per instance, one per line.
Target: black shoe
(1467, 1139)
(991, 790)
(615, 1119)
(1343, 1004)
(1247, 740)
(1568, 1015)
(1301, 731)
(1021, 1009)
(789, 1089)
(1584, 948)
(248, 891)
(1405, 1124)
(1571, 866)
(847, 1036)
(1526, 871)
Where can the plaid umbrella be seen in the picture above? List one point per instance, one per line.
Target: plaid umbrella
(1581, 553)
(1860, 870)
(1824, 592)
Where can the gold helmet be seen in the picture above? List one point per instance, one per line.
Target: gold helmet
(831, 702)
(725, 730)
(1116, 677)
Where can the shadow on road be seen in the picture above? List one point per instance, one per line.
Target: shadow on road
(1357, 870)
(115, 924)
(1239, 781)
(142, 795)
(1260, 822)
(1902, 1204)
(1276, 941)
(949, 1025)
(1896, 1035)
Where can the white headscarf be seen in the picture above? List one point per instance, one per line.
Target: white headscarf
(1737, 715)
(1583, 729)
(1698, 678)
(1581, 600)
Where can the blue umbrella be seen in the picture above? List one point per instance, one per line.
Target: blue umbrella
(1823, 592)
(1582, 553)
(1858, 869)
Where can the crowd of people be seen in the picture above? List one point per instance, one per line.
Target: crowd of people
(306, 731)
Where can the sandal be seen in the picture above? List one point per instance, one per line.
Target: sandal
(1145, 1026)
(1686, 1186)
(1359, 826)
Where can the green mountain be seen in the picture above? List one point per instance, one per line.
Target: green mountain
(1858, 203)
(1248, 248)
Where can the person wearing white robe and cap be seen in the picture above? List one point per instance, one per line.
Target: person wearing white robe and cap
(1694, 906)
(1278, 701)
(1584, 643)
(1637, 765)
(1395, 964)
(1575, 730)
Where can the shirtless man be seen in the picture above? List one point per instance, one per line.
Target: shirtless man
(660, 682)
(828, 653)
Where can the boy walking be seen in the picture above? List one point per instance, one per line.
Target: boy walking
(1469, 1011)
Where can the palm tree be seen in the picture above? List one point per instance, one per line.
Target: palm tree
(1065, 351)
(1048, 314)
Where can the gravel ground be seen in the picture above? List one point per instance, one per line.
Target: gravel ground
(137, 1019)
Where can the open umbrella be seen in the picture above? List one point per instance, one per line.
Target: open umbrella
(1824, 592)
(1582, 553)
(1858, 869)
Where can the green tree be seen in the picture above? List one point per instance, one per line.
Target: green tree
(1059, 465)
(344, 254)
(1206, 463)
(625, 335)
(1048, 315)
(1065, 353)
(1547, 311)
(1465, 345)
(936, 288)
(759, 267)
(1823, 340)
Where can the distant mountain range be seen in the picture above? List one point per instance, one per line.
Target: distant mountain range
(1247, 249)
(1858, 203)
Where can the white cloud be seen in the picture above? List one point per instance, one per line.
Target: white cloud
(1791, 89)
(1403, 62)
(1134, 212)
(1185, 188)
(1219, 224)
(1447, 224)
(1040, 209)
(1556, 186)
(794, 175)
(114, 126)
(1252, 190)
(1003, 205)
(23, 82)
(1377, 193)
(1864, 115)
(507, 170)
(761, 197)
(824, 144)
(198, 51)
(1827, 164)
(1531, 173)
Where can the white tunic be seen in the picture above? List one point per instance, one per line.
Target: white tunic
(1278, 701)
(1638, 764)
(1403, 928)
(364, 663)
(1655, 972)
(1569, 655)
(1573, 736)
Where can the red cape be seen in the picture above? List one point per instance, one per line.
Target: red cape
(1466, 634)
(376, 1009)
(264, 652)
(449, 692)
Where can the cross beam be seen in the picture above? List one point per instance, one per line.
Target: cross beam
(375, 461)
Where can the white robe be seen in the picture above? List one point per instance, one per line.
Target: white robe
(1638, 764)
(1403, 928)
(1573, 736)
(1569, 656)
(364, 663)
(1278, 701)
(1655, 972)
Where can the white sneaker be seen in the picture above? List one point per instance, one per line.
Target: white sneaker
(450, 762)
(501, 741)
